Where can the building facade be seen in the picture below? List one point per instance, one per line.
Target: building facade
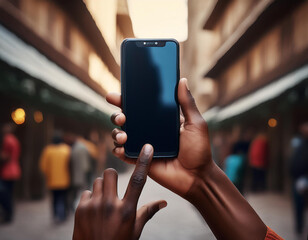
(253, 71)
(58, 59)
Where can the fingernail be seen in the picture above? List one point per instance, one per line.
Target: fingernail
(162, 205)
(147, 149)
(117, 117)
(186, 83)
(118, 136)
(117, 150)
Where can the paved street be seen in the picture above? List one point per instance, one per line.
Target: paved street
(178, 221)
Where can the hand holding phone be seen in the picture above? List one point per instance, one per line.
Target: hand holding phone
(179, 173)
(194, 175)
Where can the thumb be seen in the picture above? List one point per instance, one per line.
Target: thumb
(145, 213)
(187, 102)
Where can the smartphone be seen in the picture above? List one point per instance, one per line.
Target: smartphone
(149, 83)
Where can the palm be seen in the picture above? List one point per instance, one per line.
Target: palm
(194, 146)
(177, 174)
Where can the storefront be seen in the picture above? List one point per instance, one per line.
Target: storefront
(40, 97)
(276, 109)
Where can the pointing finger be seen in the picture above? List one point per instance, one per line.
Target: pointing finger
(139, 175)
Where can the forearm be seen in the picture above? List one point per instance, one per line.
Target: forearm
(224, 209)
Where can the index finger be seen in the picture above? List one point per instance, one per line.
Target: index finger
(139, 175)
(114, 99)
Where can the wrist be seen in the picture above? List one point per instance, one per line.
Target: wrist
(224, 209)
(201, 179)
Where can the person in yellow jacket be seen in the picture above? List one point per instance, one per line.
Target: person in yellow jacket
(54, 163)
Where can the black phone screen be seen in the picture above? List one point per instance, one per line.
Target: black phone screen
(149, 80)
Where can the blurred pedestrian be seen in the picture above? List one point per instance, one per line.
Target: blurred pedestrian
(299, 174)
(111, 160)
(54, 164)
(92, 150)
(258, 162)
(241, 148)
(10, 170)
(235, 164)
(80, 167)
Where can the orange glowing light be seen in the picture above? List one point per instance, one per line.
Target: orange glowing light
(272, 122)
(38, 117)
(19, 116)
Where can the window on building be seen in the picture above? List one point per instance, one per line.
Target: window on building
(67, 34)
(51, 18)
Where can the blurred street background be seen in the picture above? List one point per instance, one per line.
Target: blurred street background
(247, 66)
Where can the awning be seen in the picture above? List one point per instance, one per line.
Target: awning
(254, 99)
(19, 54)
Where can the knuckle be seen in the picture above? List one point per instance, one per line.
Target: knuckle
(202, 124)
(93, 207)
(117, 144)
(138, 179)
(108, 208)
(127, 213)
(97, 181)
(192, 99)
(113, 116)
(85, 193)
(114, 133)
(94, 204)
(81, 210)
(144, 160)
(150, 212)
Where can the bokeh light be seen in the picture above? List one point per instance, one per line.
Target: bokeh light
(38, 116)
(19, 116)
(272, 122)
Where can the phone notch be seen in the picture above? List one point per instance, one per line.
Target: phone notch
(151, 43)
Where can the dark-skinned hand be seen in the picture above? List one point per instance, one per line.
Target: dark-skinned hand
(101, 215)
(177, 174)
(194, 175)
